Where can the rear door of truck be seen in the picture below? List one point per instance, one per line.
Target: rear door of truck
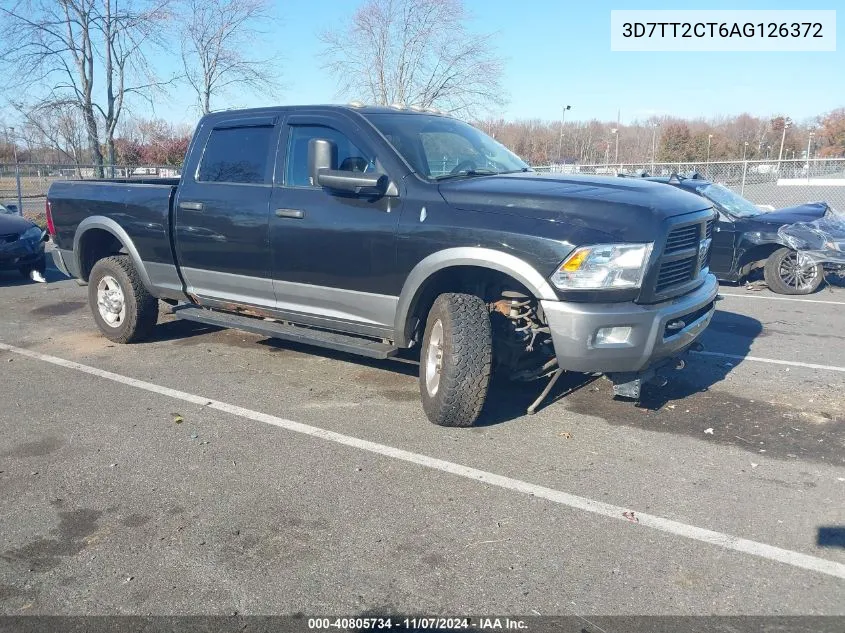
(222, 211)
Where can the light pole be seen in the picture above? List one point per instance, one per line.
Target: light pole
(709, 140)
(768, 151)
(809, 149)
(17, 170)
(653, 144)
(563, 110)
(615, 132)
(787, 122)
(744, 150)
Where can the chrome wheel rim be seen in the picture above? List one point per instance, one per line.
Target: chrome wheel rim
(434, 358)
(794, 275)
(110, 301)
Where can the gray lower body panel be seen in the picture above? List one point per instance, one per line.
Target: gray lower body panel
(363, 313)
(575, 326)
(65, 261)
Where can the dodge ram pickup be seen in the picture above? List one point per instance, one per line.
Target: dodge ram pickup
(372, 230)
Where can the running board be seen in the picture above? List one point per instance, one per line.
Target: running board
(298, 334)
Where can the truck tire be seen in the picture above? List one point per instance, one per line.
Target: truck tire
(456, 360)
(784, 276)
(124, 310)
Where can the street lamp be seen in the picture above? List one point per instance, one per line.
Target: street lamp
(744, 150)
(787, 122)
(563, 110)
(17, 170)
(809, 149)
(615, 132)
(709, 140)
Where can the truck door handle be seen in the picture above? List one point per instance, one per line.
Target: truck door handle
(191, 206)
(290, 213)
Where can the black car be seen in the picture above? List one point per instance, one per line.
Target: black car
(21, 243)
(746, 237)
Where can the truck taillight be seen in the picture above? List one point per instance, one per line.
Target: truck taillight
(48, 210)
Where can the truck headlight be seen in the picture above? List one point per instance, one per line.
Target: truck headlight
(603, 266)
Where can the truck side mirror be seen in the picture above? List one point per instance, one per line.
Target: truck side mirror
(323, 171)
(322, 154)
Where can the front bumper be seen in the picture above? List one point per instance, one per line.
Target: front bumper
(574, 327)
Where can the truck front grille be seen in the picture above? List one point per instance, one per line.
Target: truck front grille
(681, 238)
(675, 272)
(682, 259)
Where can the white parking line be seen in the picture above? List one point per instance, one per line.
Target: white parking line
(773, 361)
(749, 296)
(620, 513)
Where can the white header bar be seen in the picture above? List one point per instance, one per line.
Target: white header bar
(739, 31)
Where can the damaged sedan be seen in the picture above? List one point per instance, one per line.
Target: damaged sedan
(747, 238)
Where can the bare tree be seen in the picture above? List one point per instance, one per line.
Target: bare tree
(215, 36)
(415, 52)
(59, 128)
(60, 51)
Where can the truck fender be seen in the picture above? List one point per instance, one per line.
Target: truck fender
(109, 225)
(505, 263)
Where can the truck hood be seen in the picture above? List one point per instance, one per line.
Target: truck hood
(624, 208)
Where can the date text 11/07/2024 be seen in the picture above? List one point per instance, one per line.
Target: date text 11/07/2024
(417, 623)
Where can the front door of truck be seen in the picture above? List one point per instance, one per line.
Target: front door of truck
(333, 254)
(222, 213)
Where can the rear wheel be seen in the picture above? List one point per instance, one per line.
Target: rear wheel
(456, 360)
(785, 275)
(124, 310)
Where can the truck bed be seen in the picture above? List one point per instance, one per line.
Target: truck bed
(140, 207)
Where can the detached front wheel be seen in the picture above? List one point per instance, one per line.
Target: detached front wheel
(456, 360)
(124, 310)
(785, 275)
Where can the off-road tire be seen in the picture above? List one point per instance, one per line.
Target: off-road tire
(141, 306)
(467, 354)
(771, 273)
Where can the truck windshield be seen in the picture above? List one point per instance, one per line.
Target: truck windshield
(439, 147)
(734, 204)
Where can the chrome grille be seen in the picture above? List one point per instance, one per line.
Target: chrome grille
(709, 230)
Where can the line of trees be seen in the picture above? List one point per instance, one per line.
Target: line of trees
(673, 139)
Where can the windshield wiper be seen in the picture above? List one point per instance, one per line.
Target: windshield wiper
(469, 172)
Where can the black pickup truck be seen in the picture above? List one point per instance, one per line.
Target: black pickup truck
(370, 230)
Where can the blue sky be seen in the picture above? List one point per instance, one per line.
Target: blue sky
(558, 52)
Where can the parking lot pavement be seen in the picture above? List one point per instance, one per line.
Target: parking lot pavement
(250, 504)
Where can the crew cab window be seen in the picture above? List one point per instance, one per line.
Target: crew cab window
(236, 155)
(349, 156)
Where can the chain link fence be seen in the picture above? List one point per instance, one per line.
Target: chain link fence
(766, 183)
(769, 184)
(36, 178)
